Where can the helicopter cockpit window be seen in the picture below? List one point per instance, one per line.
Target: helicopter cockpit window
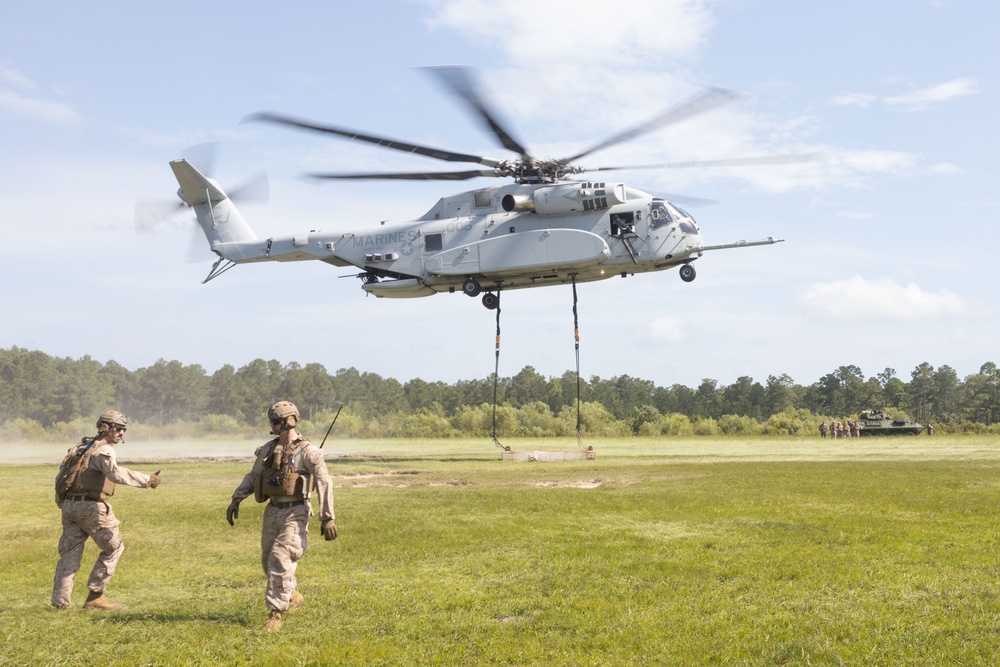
(660, 214)
(684, 219)
(433, 242)
(483, 198)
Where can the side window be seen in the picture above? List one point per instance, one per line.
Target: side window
(483, 198)
(621, 223)
(433, 242)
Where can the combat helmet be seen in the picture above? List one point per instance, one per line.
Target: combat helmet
(286, 412)
(109, 419)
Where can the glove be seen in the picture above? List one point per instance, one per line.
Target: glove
(154, 480)
(233, 512)
(329, 530)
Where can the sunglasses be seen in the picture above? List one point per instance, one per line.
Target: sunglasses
(277, 422)
(120, 429)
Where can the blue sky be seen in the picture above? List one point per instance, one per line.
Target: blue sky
(888, 259)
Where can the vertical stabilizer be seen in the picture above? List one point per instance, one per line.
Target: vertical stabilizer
(217, 215)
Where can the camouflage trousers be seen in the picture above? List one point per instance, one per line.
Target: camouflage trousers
(82, 519)
(282, 544)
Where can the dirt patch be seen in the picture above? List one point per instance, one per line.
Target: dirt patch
(371, 475)
(570, 484)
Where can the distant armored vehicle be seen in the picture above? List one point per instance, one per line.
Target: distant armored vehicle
(876, 422)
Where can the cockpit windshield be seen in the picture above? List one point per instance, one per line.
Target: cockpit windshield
(664, 213)
(661, 214)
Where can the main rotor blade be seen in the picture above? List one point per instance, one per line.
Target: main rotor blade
(725, 162)
(436, 153)
(459, 80)
(699, 104)
(416, 176)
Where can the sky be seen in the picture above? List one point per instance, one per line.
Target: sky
(888, 259)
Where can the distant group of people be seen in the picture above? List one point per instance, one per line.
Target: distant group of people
(841, 429)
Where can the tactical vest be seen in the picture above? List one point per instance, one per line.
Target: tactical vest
(76, 477)
(279, 477)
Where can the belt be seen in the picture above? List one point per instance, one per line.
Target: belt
(81, 497)
(291, 503)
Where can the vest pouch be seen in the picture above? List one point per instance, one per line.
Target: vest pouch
(266, 484)
(278, 477)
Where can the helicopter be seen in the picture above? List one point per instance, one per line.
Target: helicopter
(543, 228)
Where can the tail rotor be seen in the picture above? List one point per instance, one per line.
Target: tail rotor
(156, 216)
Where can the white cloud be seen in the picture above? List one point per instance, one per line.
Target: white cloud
(838, 168)
(960, 335)
(586, 31)
(854, 99)
(641, 50)
(663, 330)
(941, 92)
(875, 161)
(856, 215)
(12, 77)
(944, 169)
(859, 300)
(36, 108)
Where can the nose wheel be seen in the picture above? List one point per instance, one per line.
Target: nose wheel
(687, 273)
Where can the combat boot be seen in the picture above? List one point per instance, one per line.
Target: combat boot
(296, 601)
(274, 621)
(98, 601)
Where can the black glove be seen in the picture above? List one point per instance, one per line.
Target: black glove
(329, 530)
(233, 512)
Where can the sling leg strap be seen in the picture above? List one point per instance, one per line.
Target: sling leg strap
(496, 380)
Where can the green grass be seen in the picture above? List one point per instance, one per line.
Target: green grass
(762, 552)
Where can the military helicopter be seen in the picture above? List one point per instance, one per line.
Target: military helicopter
(542, 229)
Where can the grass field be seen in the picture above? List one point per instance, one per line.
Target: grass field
(676, 552)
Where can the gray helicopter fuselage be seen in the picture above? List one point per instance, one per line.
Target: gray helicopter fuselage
(497, 238)
(509, 237)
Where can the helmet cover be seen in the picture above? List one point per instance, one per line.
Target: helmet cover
(285, 411)
(109, 419)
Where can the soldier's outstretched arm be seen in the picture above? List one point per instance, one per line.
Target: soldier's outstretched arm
(105, 460)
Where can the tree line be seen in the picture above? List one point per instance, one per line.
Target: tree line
(39, 390)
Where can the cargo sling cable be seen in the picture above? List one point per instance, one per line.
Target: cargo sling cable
(576, 345)
(496, 377)
(496, 373)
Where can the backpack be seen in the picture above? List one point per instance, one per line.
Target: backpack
(73, 464)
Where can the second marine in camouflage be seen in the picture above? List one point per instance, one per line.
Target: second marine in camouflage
(284, 474)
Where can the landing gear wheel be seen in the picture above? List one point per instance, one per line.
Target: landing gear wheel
(687, 273)
(491, 300)
(471, 287)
